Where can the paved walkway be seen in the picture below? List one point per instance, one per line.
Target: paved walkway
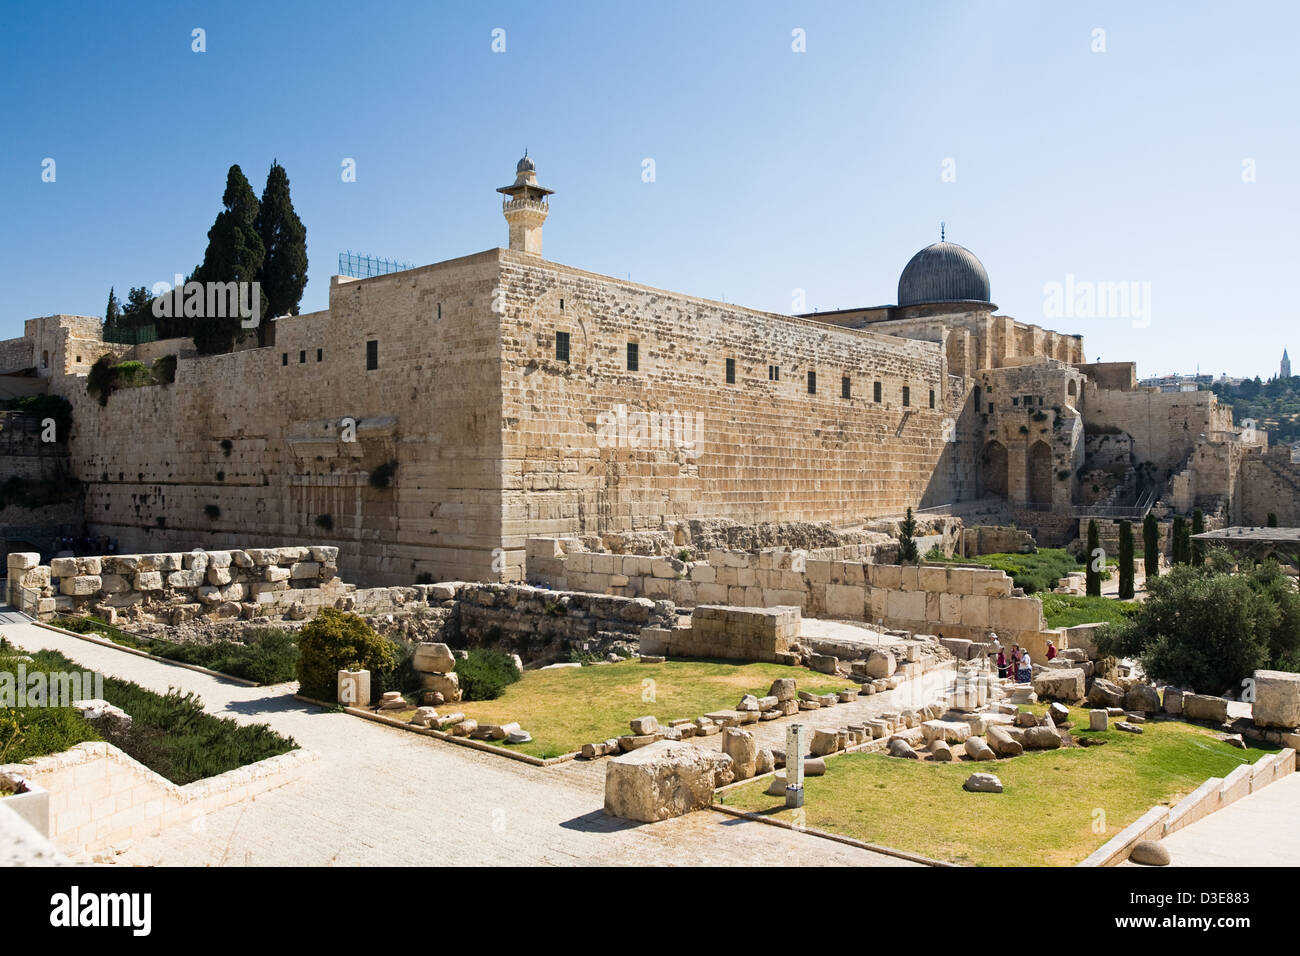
(1257, 830)
(380, 795)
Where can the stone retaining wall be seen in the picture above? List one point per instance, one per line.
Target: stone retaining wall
(731, 633)
(99, 796)
(934, 599)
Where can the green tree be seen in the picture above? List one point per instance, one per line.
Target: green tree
(1151, 546)
(235, 254)
(1195, 554)
(1197, 629)
(337, 640)
(1093, 573)
(112, 315)
(1125, 560)
(284, 270)
(1272, 519)
(907, 553)
(1179, 536)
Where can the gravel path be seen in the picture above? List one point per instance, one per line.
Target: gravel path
(380, 795)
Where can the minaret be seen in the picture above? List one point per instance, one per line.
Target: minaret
(526, 208)
(1286, 365)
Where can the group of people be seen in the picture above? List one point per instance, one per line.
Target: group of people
(1018, 664)
(84, 544)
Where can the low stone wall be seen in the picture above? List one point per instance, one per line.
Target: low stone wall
(995, 539)
(731, 633)
(538, 623)
(99, 796)
(932, 599)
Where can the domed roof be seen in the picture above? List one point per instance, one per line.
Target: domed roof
(943, 272)
(525, 165)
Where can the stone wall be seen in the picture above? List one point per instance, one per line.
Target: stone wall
(1270, 482)
(731, 633)
(935, 599)
(99, 796)
(174, 588)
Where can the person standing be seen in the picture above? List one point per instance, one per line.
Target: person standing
(1026, 673)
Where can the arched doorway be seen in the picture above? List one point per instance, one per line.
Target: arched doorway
(1038, 476)
(993, 469)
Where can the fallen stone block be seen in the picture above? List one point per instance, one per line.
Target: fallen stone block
(982, 783)
(1205, 707)
(1277, 699)
(1001, 742)
(898, 747)
(1041, 738)
(430, 657)
(1143, 699)
(953, 731)
(1103, 693)
(1127, 727)
(644, 725)
(1065, 683)
(662, 780)
(741, 747)
(1098, 720)
(941, 751)
(978, 749)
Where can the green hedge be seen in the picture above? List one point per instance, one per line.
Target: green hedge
(335, 641)
(485, 673)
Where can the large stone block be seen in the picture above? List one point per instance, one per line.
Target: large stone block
(665, 779)
(433, 658)
(742, 748)
(446, 684)
(1060, 684)
(1205, 707)
(83, 585)
(1277, 699)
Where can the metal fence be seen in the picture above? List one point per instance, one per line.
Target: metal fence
(357, 266)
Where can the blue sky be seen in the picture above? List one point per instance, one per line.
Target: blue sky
(774, 170)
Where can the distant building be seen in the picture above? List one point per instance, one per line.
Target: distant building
(1285, 370)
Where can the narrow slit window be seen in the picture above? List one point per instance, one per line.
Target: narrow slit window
(731, 371)
(846, 388)
(561, 346)
(372, 355)
(812, 383)
(633, 357)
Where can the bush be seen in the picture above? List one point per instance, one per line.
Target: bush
(1198, 628)
(381, 476)
(46, 406)
(907, 552)
(164, 370)
(335, 641)
(486, 673)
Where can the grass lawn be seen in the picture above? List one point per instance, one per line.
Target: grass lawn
(1046, 814)
(1067, 610)
(567, 707)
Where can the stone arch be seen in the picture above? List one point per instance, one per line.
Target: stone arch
(1070, 389)
(1038, 473)
(993, 468)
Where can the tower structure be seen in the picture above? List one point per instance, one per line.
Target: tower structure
(525, 208)
(1285, 370)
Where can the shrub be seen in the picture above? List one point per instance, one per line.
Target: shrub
(99, 380)
(381, 476)
(325, 522)
(46, 406)
(335, 641)
(164, 370)
(485, 673)
(907, 552)
(1197, 628)
(132, 375)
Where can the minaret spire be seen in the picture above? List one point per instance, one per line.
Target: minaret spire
(526, 207)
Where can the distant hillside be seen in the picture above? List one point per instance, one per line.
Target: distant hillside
(1274, 405)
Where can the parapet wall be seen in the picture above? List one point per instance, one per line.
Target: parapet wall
(937, 599)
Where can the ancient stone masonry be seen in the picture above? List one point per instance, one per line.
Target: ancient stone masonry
(942, 600)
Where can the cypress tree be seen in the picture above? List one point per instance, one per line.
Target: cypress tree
(235, 254)
(1195, 554)
(1126, 560)
(1272, 519)
(907, 553)
(1179, 535)
(112, 315)
(284, 270)
(1151, 546)
(1093, 578)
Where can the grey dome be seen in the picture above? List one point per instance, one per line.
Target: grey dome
(525, 165)
(943, 272)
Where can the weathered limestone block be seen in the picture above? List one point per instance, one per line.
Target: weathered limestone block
(148, 581)
(1205, 707)
(978, 749)
(663, 780)
(983, 783)
(1142, 699)
(82, 585)
(898, 747)
(304, 569)
(37, 577)
(1173, 700)
(1103, 693)
(1002, 743)
(1041, 738)
(741, 747)
(645, 725)
(446, 684)
(880, 664)
(1060, 684)
(63, 567)
(783, 689)
(1277, 699)
(25, 560)
(220, 576)
(185, 579)
(824, 742)
(432, 658)
(953, 731)
(1098, 720)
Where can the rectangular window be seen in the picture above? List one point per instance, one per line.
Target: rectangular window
(284, 358)
(633, 357)
(372, 355)
(990, 408)
(774, 373)
(876, 392)
(846, 389)
(1029, 400)
(907, 396)
(302, 356)
(932, 398)
(561, 346)
(812, 383)
(1015, 401)
(320, 354)
(731, 371)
